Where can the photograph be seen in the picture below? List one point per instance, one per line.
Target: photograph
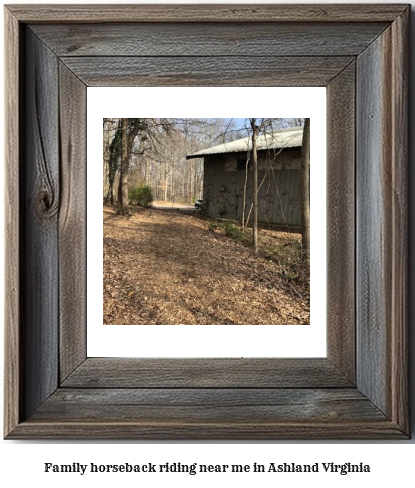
(206, 221)
(204, 225)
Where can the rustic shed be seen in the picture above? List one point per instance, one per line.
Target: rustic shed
(279, 167)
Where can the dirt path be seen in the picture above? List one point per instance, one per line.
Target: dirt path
(163, 267)
(170, 206)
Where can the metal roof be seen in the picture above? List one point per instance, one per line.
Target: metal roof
(280, 139)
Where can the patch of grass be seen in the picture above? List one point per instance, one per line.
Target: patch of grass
(233, 230)
(289, 259)
(213, 225)
(282, 248)
(229, 228)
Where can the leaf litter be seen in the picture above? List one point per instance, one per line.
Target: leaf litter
(167, 267)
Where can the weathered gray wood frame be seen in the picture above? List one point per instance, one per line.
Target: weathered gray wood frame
(359, 52)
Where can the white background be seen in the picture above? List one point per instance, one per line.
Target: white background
(21, 463)
(218, 341)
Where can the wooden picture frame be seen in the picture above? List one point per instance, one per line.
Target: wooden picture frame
(360, 53)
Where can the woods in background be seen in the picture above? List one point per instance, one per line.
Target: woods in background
(153, 152)
(145, 159)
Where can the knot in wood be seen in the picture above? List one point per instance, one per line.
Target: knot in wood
(46, 206)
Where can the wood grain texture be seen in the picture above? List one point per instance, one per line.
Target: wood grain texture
(149, 429)
(341, 235)
(205, 399)
(382, 200)
(206, 71)
(400, 264)
(206, 13)
(374, 221)
(206, 373)
(12, 383)
(227, 39)
(39, 257)
(72, 222)
(209, 405)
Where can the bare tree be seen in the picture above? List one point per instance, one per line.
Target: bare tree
(113, 160)
(154, 153)
(130, 128)
(305, 191)
(255, 128)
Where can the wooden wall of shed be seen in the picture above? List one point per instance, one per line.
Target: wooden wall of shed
(278, 197)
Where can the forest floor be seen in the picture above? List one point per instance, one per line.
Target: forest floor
(166, 267)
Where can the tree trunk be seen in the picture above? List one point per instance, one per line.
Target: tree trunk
(122, 207)
(166, 185)
(129, 133)
(111, 192)
(305, 192)
(255, 185)
(122, 204)
(191, 182)
(244, 194)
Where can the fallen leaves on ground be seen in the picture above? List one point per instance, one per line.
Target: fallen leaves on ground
(166, 267)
